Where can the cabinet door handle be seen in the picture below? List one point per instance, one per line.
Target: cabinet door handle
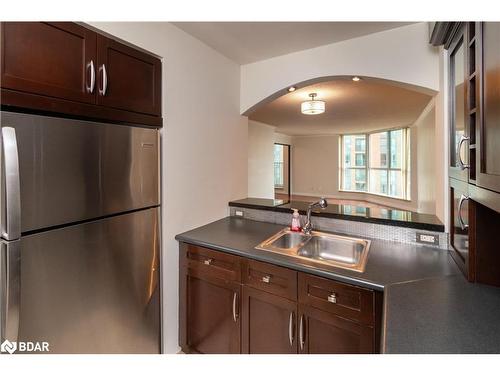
(266, 279)
(463, 166)
(332, 298)
(291, 328)
(102, 91)
(463, 198)
(235, 312)
(301, 332)
(90, 88)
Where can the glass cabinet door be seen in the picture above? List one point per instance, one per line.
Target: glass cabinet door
(458, 132)
(459, 231)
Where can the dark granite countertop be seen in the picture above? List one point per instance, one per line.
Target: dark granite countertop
(384, 216)
(388, 262)
(428, 306)
(441, 315)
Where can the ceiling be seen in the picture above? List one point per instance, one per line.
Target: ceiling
(247, 42)
(367, 105)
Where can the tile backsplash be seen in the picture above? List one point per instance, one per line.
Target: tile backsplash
(379, 231)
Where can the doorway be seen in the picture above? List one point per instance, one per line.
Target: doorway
(282, 168)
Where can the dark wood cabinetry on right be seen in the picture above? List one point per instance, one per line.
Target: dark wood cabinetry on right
(231, 304)
(66, 68)
(474, 162)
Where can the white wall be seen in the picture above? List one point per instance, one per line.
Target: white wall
(204, 141)
(426, 159)
(260, 160)
(402, 54)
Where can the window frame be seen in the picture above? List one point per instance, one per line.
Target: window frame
(404, 169)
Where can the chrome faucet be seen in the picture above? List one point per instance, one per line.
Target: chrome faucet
(308, 226)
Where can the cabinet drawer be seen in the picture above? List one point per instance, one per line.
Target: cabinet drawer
(203, 261)
(269, 278)
(344, 300)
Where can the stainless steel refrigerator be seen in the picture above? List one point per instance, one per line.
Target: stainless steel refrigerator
(80, 228)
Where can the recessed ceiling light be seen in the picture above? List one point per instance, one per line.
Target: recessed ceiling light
(292, 89)
(356, 79)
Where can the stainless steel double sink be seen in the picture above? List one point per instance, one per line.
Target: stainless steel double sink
(320, 247)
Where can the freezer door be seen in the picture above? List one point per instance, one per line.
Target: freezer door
(93, 287)
(72, 170)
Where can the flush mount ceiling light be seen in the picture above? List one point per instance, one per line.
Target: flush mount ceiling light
(356, 79)
(313, 106)
(292, 89)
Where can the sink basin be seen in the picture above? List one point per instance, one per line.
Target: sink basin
(288, 240)
(321, 248)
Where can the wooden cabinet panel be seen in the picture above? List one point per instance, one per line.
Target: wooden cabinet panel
(48, 58)
(213, 263)
(462, 219)
(128, 78)
(213, 322)
(272, 320)
(344, 300)
(321, 332)
(270, 278)
(269, 323)
(489, 132)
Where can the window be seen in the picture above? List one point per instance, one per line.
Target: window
(381, 163)
(354, 162)
(278, 166)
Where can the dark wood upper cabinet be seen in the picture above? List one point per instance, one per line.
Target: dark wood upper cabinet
(489, 131)
(128, 78)
(269, 323)
(67, 69)
(48, 58)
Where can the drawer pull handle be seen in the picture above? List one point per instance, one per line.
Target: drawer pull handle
(332, 298)
(207, 261)
(266, 279)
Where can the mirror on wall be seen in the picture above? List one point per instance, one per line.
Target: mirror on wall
(371, 144)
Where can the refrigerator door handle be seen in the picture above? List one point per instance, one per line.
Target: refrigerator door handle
(11, 228)
(10, 257)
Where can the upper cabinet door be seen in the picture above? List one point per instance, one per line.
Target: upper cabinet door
(458, 128)
(128, 79)
(53, 59)
(488, 175)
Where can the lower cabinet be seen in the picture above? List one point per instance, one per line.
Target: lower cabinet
(269, 323)
(321, 332)
(213, 324)
(230, 304)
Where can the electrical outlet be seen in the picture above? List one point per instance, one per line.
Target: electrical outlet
(238, 213)
(428, 238)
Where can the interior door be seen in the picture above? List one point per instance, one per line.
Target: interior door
(93, 287)
(269, 323)
(56, 59)
(128, 78)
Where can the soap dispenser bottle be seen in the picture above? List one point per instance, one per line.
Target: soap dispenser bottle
(295, 221)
